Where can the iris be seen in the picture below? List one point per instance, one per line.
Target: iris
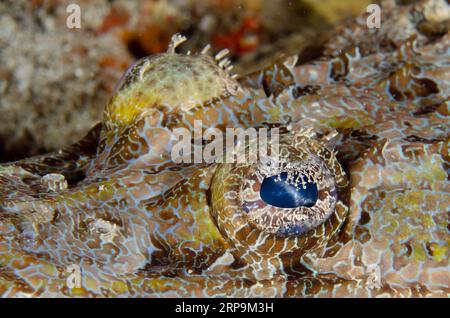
(285, 195)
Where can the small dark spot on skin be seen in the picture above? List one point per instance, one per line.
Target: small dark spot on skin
(340, 68)
(175, 168)
(447, 168)
(415, 70)
(247, 283)
(52, 162)
(408, 248)
(362, 234)
(28, 180)
(362, 135)
(426, 87)
(266, 89)
(426, 110)
(395, 93)
(272, 89)
(237, 263)
(414, 138)
(171, 120)
(429, 249)
(357, 262)
(56, 217)
(305, 90)
(365, 218)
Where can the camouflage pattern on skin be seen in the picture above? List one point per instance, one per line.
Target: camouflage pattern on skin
(140, 225)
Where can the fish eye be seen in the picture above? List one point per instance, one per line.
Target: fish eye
(288, 190)
(291, 197)
(273, 209)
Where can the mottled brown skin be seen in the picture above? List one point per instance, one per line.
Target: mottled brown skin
(138, 224)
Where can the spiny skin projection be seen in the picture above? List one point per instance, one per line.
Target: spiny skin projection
(368, 123)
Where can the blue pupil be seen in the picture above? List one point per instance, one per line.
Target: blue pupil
(285, 195)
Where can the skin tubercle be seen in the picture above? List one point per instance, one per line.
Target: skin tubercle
(367, 124)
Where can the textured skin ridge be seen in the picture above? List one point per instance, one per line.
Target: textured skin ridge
(373, 112)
